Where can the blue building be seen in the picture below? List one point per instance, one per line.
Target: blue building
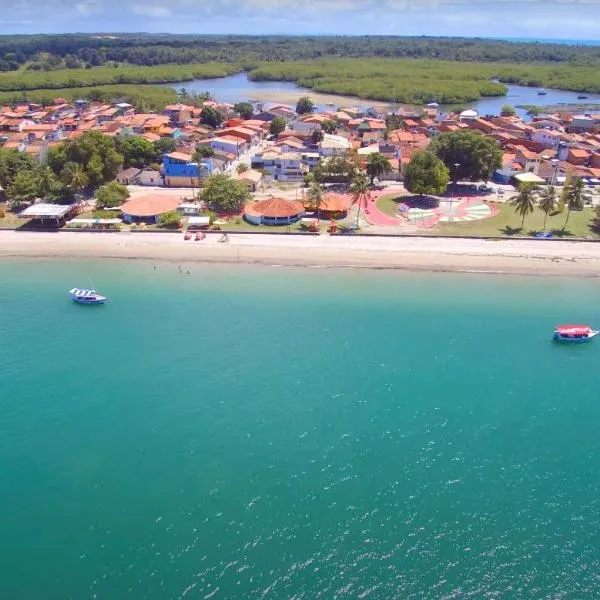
(179, 169)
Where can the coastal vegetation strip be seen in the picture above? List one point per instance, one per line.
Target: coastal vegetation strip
(143, 97)
(79, 78)
(412, 81)
(381, 79)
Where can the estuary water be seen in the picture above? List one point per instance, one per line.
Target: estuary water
(238, 88)
(254, 432)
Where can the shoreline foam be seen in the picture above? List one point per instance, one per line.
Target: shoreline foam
(522, 257)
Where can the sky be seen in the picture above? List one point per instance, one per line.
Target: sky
(541, 19)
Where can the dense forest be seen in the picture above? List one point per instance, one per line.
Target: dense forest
(423, 81)
(49, 52)
(410, 70)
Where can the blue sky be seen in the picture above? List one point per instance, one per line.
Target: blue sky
(571, 19)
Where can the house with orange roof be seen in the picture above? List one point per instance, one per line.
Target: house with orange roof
(178, 113)
(529, 160)
(578, 156)
(251, 136)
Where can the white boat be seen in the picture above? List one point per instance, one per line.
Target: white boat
(574, 334)
(86, 296)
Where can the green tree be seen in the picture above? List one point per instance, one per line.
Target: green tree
(74, 178)
(576, 197)
(222, 193)
(11, 162)
(336, 168)
(242, 168)
(329, 126)
(476, 155)
(46, 181)
(23, 188)
(547, 202)
(359, 188)
(305, 105)
(524, 201)
(163, 146)
(211, 116)
(317, 136)
(94, 152)
(315, 197)
(508, 110)
(137, 151)
(277, 126)
(111, 195)
(426, 174)
(244, 109)
(170, 219)
(377, 165)
(203, 151)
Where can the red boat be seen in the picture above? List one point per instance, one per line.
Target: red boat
(575, 334)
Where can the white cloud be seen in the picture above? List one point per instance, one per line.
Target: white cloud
(154, 11)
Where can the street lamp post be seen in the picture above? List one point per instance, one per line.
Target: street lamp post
(456, 166)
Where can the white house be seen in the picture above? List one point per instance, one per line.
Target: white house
(281, 166)
(546, 137)
(150, 177)
(334, 145)
(229, 144)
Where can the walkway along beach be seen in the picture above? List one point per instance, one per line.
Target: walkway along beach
(531, 257)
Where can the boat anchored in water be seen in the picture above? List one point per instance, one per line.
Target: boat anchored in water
(81, 296)
(574, 334)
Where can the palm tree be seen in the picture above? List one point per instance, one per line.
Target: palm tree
(576, 197)
(360, 191)
(74, 177)
(315, 196)
(524, 201)
(547, 201)
(46, 181)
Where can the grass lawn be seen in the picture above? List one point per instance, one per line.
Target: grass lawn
(389, 204)
(10, 220)
(243, 225)
(508, 223)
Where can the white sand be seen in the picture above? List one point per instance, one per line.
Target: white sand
(535, 257)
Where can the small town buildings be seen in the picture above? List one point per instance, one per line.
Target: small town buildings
(274, 211)
(48, 214)
(546, 137)
(148, 208)
(150, 177)
(334, 145)
(229, 144)
(251, 179)
(129, 176)
(179, 169)
(281, 166)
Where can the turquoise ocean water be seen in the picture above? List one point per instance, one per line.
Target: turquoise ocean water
(268, 433)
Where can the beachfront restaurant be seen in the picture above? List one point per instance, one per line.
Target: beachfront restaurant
(148, 208)
(48, 214)
(274, 211)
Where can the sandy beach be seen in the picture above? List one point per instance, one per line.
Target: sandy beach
(291, 97)
(529, 257)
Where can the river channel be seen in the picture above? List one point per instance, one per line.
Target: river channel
(238, 88)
